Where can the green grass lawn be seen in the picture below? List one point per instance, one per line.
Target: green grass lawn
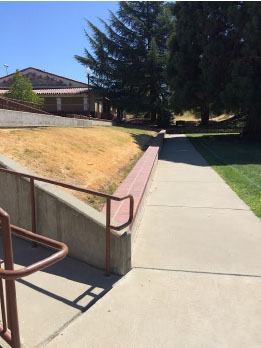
(238, 163)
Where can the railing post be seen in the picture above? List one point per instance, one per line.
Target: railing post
(11, 303)
(33, 220)
(3, 305)
(13, 313)
(108, 236)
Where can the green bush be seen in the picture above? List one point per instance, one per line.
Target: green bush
(21, 89)
(165, 117)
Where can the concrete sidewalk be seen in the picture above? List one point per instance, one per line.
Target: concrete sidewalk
(49, 300)
(197, 268)
(193, 221)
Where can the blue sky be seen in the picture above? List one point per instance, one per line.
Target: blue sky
(47, 35)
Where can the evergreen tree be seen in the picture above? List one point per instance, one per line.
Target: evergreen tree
(21, 89)
(214, 61)
(128, 58)
(243, 91)
(196, 66)
(183, 58)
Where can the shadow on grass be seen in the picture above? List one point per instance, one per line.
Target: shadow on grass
(142, 140)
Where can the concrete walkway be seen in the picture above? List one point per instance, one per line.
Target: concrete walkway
(197, 268)
(49, 300)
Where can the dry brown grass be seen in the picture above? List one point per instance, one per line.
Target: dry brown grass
(222, 117)
(189, 116)
(93, 158)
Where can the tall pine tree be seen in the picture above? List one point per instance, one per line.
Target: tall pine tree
(214, 61)
(196, 68)
(128, 58)
(243, 91)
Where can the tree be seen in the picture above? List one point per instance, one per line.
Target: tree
(183, 59)
(196, 67)
(243, 91)
(129, 57)
(214, 61)
(21, 89)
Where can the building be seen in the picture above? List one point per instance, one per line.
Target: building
(62, 96)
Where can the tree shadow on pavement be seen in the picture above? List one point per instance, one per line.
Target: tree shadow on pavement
(225, 149)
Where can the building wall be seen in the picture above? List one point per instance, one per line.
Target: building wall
(69, 104)
(42, 79)
(50, 104)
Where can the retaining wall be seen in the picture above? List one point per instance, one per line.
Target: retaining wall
(104, 123)
(16, 119)
(63, 217)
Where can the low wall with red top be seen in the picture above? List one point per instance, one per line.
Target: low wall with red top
(137, 183)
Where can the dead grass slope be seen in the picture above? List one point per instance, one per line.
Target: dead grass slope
(95, 158)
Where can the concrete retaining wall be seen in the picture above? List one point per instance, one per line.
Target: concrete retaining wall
(16, 119)
(102, 123)
(63, 217)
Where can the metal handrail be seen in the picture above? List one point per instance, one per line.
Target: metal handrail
(9, 328)
(108, 198)
(11, 104)
(37, 266)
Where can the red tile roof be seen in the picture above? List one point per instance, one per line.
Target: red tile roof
(75, 90)
(53, 91)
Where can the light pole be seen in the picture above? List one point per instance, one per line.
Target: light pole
(88, 71)
(6, 67)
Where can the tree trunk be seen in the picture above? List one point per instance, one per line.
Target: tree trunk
(252, 129)
(153, 117)
(204, 114)
(119, 115)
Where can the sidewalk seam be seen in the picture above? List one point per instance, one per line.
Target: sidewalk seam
(193, 181)
(196, 272)
(194, 207)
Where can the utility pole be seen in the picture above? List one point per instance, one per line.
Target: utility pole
(6, 68)
(88, 71)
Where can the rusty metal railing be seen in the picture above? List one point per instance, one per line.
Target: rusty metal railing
(9, 329)
(17, 105)
(108, 198)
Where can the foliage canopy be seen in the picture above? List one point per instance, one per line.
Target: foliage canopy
(21, 89)
(128, 58)
(214, 60)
